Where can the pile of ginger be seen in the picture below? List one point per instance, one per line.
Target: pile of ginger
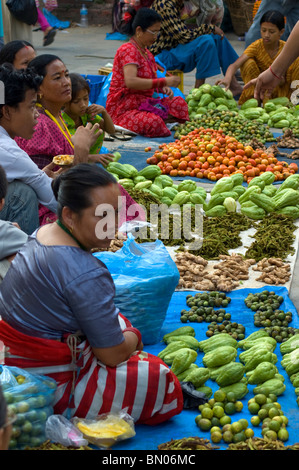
(197, 273)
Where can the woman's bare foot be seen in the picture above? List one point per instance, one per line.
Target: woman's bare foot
(235, 87)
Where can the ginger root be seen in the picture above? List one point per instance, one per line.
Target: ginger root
(274, 271)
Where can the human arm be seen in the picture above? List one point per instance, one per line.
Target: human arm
(106, 122)
(83, 139)
(132, 81)
(115, 355)
(91, 299)
(19, 166)
(231, 70)
(268, 80)
(12, 238)
(103, 158)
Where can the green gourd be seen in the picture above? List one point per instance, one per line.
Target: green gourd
(219, 356)
(222, 339)
(263, 371)
(197, 376)
(230, 374)
(271, 386)
(190, 341)
(239, 389)
(182, 360)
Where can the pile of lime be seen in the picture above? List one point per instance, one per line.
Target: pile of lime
(267, 412)
(215, 416)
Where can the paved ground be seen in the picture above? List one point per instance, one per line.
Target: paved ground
(85, 50)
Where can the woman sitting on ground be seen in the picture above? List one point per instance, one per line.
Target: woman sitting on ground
(134, 82)
(51, 136)
(260, 55)
(62, 308)
(18, 53)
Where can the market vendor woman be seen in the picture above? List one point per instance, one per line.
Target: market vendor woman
(60, 317)
(134, 82)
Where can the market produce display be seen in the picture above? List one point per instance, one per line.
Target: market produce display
(237, 366)
(212, 154)
(277, 112)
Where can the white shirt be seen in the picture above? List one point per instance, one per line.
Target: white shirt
(19, 166)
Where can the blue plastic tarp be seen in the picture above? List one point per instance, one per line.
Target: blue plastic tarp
(183, 425)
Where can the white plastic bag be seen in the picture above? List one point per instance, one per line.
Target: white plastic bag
(60, 430)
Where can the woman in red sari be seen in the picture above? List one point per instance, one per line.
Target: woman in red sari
(134, 82)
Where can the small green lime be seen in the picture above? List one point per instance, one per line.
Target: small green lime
(243, 422)
(207, 413)
(238, 406)
(236, 427)
(215, 429)
(204, 424)
(253, 408)
(239, 436)
(230, 396)
(224, 420)
(283, 434)
(262, 413)
(273, 412)
(271, 435)
(227, 436)
(260, 398)
(274, 425)
(219, 395)
(255, 420)
(216, 436)
(230, 408)
(218, 411)
(249, 433)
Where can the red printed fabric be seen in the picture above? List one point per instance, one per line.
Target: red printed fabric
(143, 386)
(47, 142)
(123, 103)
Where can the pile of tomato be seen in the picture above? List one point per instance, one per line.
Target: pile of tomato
(210, 154)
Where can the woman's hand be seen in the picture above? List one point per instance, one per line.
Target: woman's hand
(103, 158)
(48, 169)
(167, 91)
(83, 139)
(264, 85)
(95, 109)
(219, 32)
(225, 82)
(173, 80)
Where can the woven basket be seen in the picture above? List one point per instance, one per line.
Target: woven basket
(241, 13)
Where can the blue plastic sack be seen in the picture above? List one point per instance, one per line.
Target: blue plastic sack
(95, 83)
(162, 73)
(102, 97)
(145, 277)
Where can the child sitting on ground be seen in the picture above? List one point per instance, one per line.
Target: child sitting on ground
(78, 112)
(260, 55)
(12, 238)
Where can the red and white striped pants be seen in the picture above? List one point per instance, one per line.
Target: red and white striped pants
(143, 386)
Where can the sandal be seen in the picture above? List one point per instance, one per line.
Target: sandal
(49, 38)
(122, 136)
